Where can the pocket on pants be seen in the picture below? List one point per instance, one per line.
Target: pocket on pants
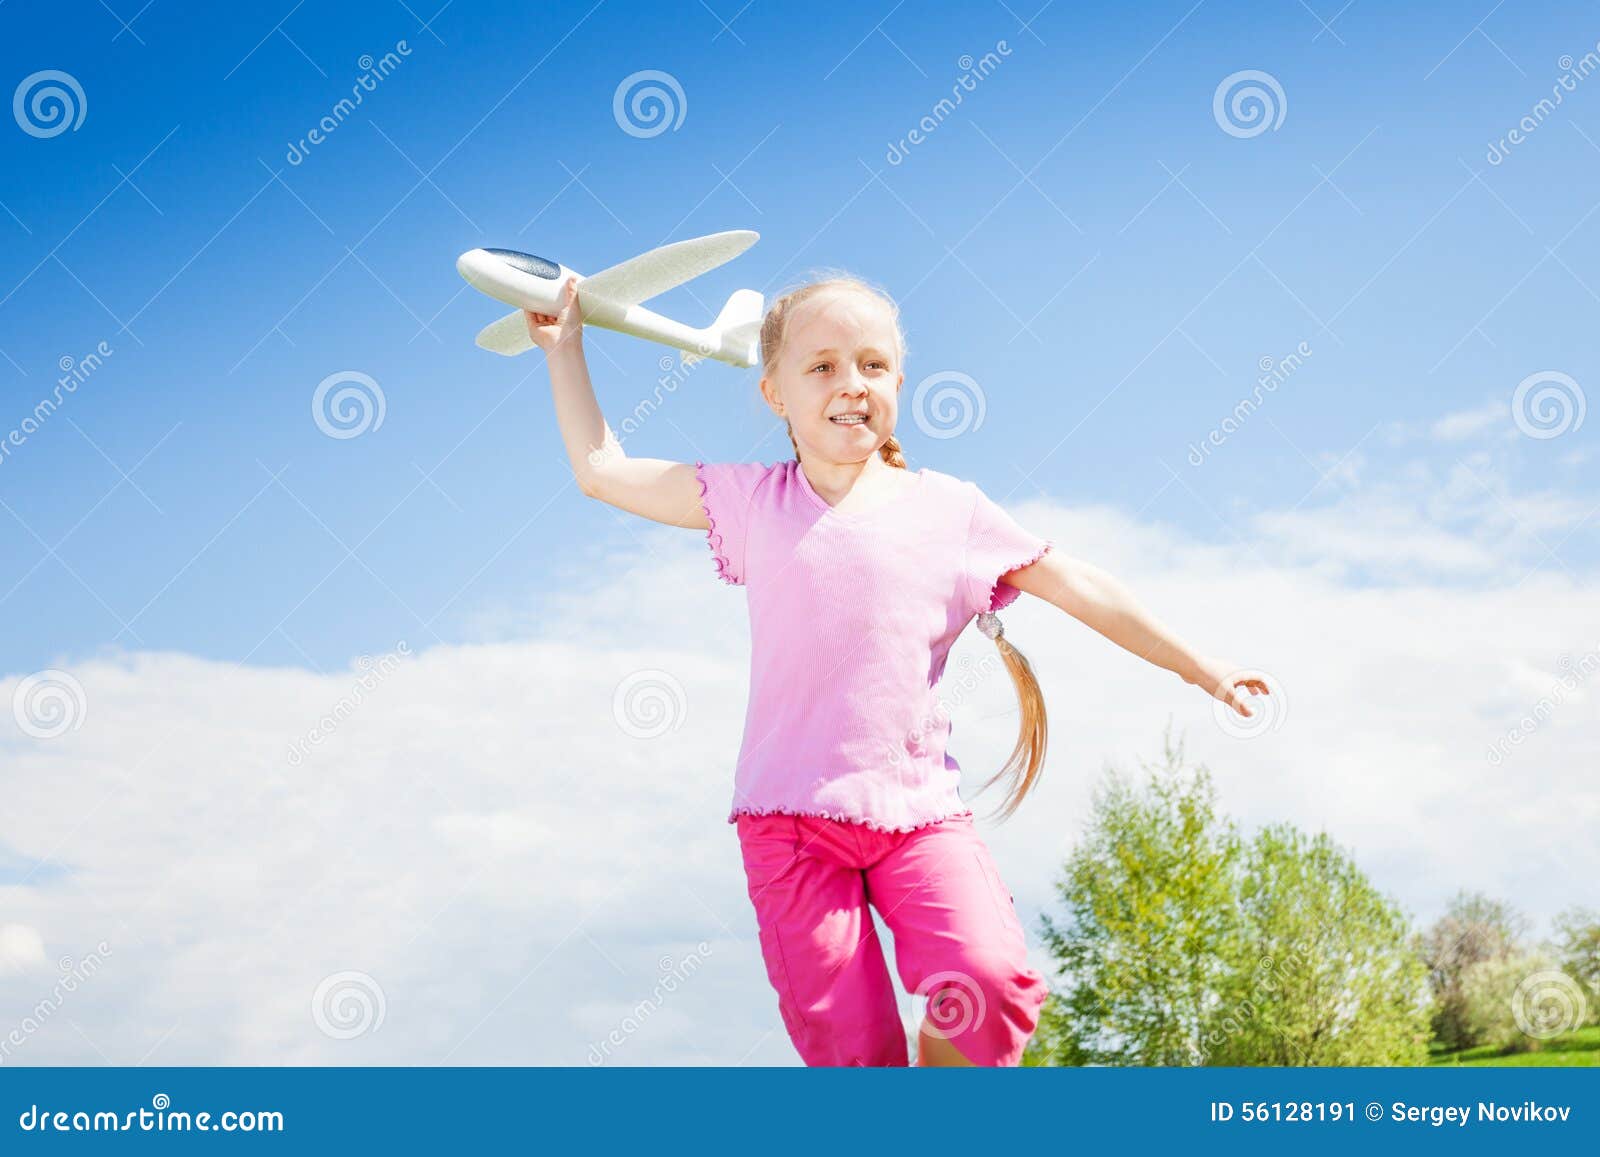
(778, 974)
(1004, 902)
(768, 847)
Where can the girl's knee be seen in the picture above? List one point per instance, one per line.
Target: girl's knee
(979, 980)
(987, 1006)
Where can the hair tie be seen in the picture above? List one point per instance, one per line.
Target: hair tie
(989, 624)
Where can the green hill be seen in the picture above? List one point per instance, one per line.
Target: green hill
(1574, 1048)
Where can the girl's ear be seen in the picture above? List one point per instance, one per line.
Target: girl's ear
(770, 393)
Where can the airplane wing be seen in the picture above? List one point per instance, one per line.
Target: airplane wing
(643, 277)
(508, 336)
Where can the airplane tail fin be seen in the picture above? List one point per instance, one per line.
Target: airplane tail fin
(739, 325)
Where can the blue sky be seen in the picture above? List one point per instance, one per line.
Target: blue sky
(1157, 258)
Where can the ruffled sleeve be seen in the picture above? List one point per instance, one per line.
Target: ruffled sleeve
(996, 545)
(727, 491)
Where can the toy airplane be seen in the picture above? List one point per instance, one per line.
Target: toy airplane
(611, 298)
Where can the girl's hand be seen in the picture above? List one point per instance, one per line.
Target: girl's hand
(566, 327)
(1228, 683)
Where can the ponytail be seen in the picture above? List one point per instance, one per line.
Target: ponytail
(1026, 761)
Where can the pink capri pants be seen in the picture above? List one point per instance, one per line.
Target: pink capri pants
(957, 939)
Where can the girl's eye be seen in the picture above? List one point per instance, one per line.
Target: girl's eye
(820, 365)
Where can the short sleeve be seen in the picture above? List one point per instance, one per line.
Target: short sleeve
(996, 545)
(726, 493)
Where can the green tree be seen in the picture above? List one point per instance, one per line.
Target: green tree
(1473, 930)
(1183, 944)
(1149, 899)
(1325, 974)
(1502, 999)
(1577, 944)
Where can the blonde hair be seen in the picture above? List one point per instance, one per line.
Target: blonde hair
(1026, 761)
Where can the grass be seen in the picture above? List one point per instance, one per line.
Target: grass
(1574, 1048)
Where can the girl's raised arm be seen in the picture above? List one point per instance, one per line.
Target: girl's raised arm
(654, 488)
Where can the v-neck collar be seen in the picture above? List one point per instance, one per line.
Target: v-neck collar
(857, 515)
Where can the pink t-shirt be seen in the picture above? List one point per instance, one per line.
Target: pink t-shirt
(852, 616)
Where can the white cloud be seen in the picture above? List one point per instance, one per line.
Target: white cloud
(1489, 419)
(1462, 519)
(516, 873)
(21, 948)
(1466, 424)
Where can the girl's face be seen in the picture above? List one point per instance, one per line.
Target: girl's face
(840, 357)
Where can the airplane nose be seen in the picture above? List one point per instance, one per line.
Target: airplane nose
(528, 263)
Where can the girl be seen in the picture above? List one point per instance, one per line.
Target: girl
(860, 576)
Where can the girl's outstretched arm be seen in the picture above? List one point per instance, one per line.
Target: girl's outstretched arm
(1097, 599)
(654, 488)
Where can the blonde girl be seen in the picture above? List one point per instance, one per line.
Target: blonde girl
(860, 574)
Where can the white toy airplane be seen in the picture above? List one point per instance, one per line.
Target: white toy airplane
(611, 297)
